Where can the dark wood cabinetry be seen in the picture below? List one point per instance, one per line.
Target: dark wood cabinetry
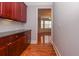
(12, 49)
(28, 35)
(3, 50)
(14, 45)
(13, 11)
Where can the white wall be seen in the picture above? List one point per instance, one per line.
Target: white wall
(6, 25)
(66, 27)
(32, 22)
(32, 18)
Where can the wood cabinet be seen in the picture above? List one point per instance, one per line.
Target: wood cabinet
(3, 50)
(13, 11)
(12, 49)
(14, 45)
(20, 44)
(7, 10)
(28, 35)
(23, 12)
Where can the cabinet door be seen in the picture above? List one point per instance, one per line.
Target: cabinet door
(2, 9)
(12, 49)
(8, 9)
(3, 51)
(13, 10)
(28, 37)
(5, 10)
(16, 11)
(20, 11)
(20, 45)
(23, 12)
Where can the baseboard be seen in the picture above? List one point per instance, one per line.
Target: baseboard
(55, 48)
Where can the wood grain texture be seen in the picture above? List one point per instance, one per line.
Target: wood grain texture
(15, 11)
(39, 50)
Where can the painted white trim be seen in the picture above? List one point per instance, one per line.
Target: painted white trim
(52, 24)
(55, 48)
(36, 25)
(41, 7)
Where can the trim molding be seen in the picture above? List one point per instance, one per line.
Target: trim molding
(56, 49)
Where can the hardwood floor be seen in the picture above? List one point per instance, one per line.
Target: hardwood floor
(39, 50)
(42, 48)
(43, 37)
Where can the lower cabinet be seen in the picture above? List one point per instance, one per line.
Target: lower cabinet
(28, 37)
(18, 43)
(12, 49)
(3, 51)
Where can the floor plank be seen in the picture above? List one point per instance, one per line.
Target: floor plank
(39, 50)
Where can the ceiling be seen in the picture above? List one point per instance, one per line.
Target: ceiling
(38, 3)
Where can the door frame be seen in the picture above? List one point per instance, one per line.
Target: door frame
(51, 20)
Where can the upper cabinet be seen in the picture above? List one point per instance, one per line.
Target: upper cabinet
(13, 10)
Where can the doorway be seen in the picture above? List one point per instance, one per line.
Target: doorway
(44, 25)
